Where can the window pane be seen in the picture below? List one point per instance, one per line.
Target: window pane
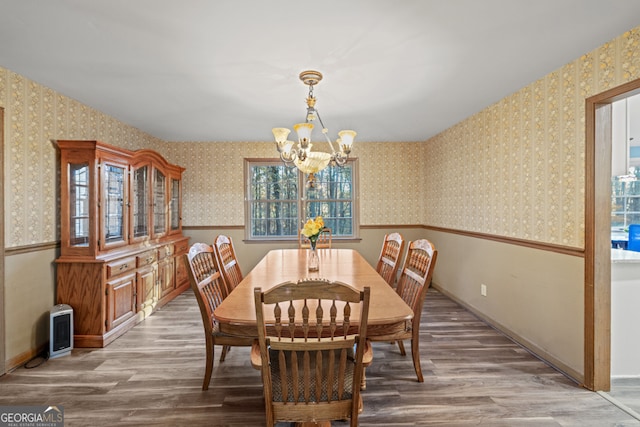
(337, 215)
(332, 183)
(332, 198)
(625, 201)
(159, 202)
(114, 179)
(140, 205)
(79, 204)
(274, 204)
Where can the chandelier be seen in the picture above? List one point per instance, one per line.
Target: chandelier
(301, 156)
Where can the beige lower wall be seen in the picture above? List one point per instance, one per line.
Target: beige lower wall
(30, 294)
(533, 295)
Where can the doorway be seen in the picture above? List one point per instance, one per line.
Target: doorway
(598, 158)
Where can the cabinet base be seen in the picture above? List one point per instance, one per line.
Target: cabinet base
(100, 341)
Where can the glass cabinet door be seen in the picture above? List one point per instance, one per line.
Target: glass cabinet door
(140, 203)
(79, 204)
(175, 204)
(159, 203)
(114, 202)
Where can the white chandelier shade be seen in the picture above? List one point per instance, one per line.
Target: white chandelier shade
(315, 162)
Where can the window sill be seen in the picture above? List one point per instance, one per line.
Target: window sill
(295, 241)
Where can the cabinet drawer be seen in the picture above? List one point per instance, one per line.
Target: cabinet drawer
(182, 247)
(165, 251)
(146, 258)
(120, 266)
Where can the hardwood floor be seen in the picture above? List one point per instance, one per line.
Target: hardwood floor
(625, 392)
(152, 376)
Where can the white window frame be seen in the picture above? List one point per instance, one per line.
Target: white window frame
(301, 201)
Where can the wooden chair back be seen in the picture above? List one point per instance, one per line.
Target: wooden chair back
(416, 274)
(307, 333)
(414, 280)
(324, 240)
(226, 256)
(389, 260)
(206, 282)
(210, 291)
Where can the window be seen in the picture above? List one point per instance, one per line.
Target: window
(625, 164)
(625, 202)
(279, 199)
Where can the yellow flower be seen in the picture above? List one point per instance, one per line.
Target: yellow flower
(319, 222)
(313, 227)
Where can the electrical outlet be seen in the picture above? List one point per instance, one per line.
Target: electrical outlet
(483, 290)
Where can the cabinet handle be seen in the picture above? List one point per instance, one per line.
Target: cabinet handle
(123, 266)
(150, 259)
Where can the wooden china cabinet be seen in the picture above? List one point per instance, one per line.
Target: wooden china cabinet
(121, 237)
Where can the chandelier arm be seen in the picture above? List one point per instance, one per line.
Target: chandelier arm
(291, 159)
(333, 150)
(340, 160)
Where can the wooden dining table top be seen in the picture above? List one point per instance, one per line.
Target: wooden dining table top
(388, 313)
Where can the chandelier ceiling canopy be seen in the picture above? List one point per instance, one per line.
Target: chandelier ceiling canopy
(301, 155)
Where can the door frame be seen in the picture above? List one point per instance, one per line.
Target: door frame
(3, 368)
(597, 256)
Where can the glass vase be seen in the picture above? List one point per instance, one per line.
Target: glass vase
(314, 261)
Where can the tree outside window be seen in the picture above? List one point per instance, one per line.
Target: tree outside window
(279, 199)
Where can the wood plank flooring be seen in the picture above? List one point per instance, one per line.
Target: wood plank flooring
(152, 376)
(625, 392)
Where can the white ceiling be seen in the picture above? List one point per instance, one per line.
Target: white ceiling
(227, 70)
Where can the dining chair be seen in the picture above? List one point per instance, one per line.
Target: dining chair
(389, 259)
(311, 344)
(634, 238)
(324, 240)
(226, 259)
(414, 280)
(210, 290)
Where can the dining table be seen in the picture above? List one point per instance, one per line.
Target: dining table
(388, 313)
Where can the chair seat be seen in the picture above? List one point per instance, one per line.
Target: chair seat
(311, 386)
(224, 339)
(256, 360)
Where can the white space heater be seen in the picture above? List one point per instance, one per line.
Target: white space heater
(60, 330)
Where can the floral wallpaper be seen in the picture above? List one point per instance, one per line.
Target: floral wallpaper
(517, 168)
(514, 169)
(214, 188)
(34, 116)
